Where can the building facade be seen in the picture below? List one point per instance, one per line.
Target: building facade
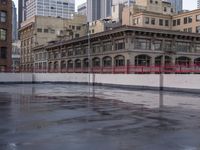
(187, 21)
(160, 15)
(5, 34)
(122, 50)
(21, 12)
(41, 30)
(125, 2)
(61, 8)
(98, 9)
(177, 4)
(198, 3)
(16, 56)
(14, 23)
(82, 9)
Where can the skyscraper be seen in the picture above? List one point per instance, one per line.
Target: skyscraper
(21, 11)
(198, 4)
(82, 9)
(61, 8)
(14, 22)
(98, 9)
(126, 2)
(177, 4)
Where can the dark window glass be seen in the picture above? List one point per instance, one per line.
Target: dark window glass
(161, 22)
(3, 52)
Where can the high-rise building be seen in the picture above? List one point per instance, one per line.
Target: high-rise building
(177, 4)
(198, 4)
(60, 9)
(82, 9)
(125, 2)
(98, 9)
(5, 34)
(14, 22)
(21, 11)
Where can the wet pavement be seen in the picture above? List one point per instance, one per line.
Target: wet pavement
(63, 117)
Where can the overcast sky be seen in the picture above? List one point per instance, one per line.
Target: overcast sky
(187, 4)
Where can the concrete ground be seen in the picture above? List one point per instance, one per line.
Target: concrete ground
(67, 117)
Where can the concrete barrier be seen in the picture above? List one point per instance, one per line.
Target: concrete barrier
(171, 82)
(16, 77)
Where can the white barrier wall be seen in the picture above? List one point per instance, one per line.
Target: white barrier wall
(189, 81)
(185, 82)
(61, 77)
(15, 77)
(149, 80)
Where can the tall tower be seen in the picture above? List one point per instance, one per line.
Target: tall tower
(198, 4)
(61, 8)
(21, 11)
(177, 4)
(98, 9)
(126, 2)
(14, 22)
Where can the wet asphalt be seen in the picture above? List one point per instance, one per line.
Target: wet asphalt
(78, 117)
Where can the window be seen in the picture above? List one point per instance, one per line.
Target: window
(78, 28)
(165, 9)
(46, 30)
(3, 2)
(158, 45)
(178, 22)
(39, 30)
(190, 19)
(119, 45)
(3, 52)
(146, 20)
(167, 46)
(107, 46)
(77, 35)
(185, 30)
(2, 16)
(52, 31)
(198, 18)
(185, 20)
(153, 21)
(198, 29)
(190, 30)
(167, 23)
(151, 1)
(3, 34)
(161, 22)
(174, 22)
(144, 44)
(182, 47)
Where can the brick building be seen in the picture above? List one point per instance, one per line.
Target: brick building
(5, 34)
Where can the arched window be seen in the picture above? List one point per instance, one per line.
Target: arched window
(56, 65)
(107, 61)
(183, 61)
(96, 62)
(159, 61)
(70, 64)
(197, 61)
(119, 61)
(78, 63)
(85, 63)
(63, 64)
